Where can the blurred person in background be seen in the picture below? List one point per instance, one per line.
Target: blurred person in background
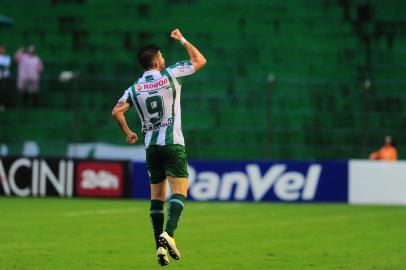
(5, 62)
(29, 70)
(387, 152)
(156, 97)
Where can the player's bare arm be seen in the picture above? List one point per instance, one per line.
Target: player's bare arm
(196, 57)
(118, 113)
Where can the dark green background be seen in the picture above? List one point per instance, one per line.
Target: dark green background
(317, 54)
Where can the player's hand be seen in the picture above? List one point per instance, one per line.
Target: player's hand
(176, 34)
(132, 138)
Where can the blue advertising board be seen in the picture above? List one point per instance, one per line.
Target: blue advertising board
(258, 181)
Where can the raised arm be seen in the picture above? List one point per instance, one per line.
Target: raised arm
(196, 58)
(118, 114)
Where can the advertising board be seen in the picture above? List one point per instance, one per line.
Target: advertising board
(258, 181)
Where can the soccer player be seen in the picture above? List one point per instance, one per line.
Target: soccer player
(156, 98)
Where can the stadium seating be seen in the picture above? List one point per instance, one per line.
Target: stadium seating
(285, 80)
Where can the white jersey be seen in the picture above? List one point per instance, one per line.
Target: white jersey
(156, 97)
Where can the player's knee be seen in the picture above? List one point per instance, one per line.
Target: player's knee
(180, 189)
(158, 191)
(158, 195)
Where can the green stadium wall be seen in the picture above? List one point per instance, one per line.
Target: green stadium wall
(284, 79)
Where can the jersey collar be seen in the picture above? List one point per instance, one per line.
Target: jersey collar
(151, 72)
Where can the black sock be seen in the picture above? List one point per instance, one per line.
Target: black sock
(157, 218)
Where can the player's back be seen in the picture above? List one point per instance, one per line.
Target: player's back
(156, 99)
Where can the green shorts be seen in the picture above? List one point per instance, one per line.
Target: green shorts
(166, 160)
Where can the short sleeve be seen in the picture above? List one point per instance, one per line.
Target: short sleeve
(126, 97)
(182, 68)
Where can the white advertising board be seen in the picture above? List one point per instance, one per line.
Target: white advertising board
(377, 182)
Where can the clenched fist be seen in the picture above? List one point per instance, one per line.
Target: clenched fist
(132, 138)
(176, 34)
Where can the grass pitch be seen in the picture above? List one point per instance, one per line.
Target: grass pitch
(116, 234)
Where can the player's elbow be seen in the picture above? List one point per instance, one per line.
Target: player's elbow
(204, 61)
(115, 113)
(199, 63)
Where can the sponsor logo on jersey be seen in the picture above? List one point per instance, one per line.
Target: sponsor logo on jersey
(157, 127)
(162, 82)
(183, 66)
(138, 87)
(101, 179)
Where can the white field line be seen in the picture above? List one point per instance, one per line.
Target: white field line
(100, 212)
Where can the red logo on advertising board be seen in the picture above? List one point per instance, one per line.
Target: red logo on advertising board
(99, 179)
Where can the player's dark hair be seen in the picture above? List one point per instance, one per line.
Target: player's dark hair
(146, 54)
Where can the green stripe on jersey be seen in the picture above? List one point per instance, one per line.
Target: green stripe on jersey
(169, 129)
(135, 102)
(181, 63)
(143, 136)
(154, 137)
(169, 134)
